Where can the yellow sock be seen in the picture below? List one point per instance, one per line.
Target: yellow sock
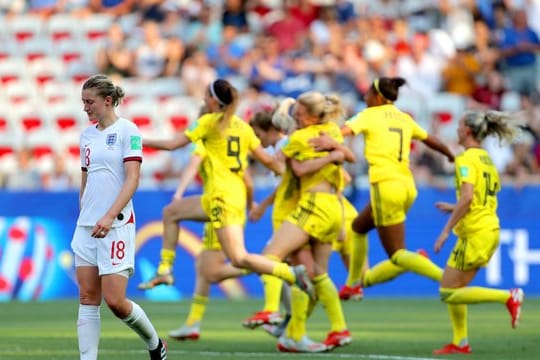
(458, 318)
(417, 263)
(299, 312)
(381, 272)
(283, 271)
(167, 261)
(272, 292)
(329, 298)
(357, 259)
(473, 295)
(198, 307)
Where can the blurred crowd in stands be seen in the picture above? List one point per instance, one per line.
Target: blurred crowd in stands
(454, 54)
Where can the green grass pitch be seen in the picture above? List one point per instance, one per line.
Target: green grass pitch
(382, 328)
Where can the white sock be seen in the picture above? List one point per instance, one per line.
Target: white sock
(88, 329)
(139, 322)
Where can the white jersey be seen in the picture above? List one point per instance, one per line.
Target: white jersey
(273, 150)
(103, 153)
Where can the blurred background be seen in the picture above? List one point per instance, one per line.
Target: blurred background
(454, 54)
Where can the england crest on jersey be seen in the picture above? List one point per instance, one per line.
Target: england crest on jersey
(111, 139)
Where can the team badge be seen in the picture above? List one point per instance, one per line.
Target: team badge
(111, 139)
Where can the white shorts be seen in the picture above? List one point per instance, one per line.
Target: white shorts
(113, 254)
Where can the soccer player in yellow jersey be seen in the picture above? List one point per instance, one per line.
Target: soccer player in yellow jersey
(228, 141)
(284, 200)
(388, 133)
(317, 217)
(476, 224)
(211, 264)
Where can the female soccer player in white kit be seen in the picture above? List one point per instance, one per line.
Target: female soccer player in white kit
(104, 239)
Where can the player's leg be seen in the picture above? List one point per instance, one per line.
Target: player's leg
(86, 269)
(116, 258)
(390, 202)
(328, 296)
(189, 208)
(190, 330)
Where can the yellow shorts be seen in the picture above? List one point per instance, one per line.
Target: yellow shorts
(210, 240)
(224, 210)
(343, 246)
(474, 251)
(390, 201)
(320, 215)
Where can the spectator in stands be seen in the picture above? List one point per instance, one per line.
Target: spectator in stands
(226, 57)
(174, 57)
(235, 14)
(485, 47)
(151, 55)
(460, 73)
(115, 57)
(489, 93)
(196, 73)
(421, 69)
(519, 45)
(325, 32)
(291, 27)
(269, 71)
(523, 167)
(59, 179)
(203, 29)
(112, 7)
(25, 177)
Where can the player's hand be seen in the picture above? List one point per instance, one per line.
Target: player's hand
(178, 195)
(256, 212)
(323, 143)
(102, 227)
(337, 157)
(444, 206)
(440, 242)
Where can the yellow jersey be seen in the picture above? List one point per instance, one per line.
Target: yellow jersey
(227, 150)
(474, 166)
(298, 148)
(199, 150)
(388, 133)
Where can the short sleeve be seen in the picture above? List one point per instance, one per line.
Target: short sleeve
(198, 129)
(292, 146)
(132, 144)
(418, 132)
(465, 171)
(357, 123)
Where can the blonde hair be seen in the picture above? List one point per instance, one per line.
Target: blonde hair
(495, 123)
(326, 107)
(281, 119)
(105, 87)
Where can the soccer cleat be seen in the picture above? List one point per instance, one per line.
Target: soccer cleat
(453, 349)
(305, 345)
(354, 292)
(158, 279)
(513, 304)
(277, 330)
(303, 281)
(338, 338)
(262, 318)
(186, 332)
(160, 353)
